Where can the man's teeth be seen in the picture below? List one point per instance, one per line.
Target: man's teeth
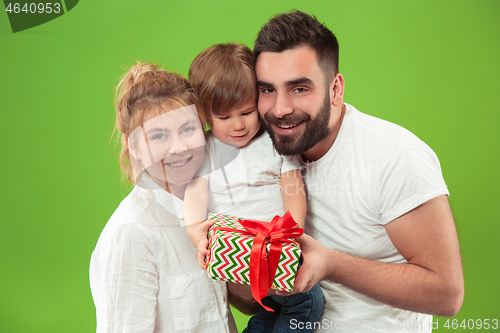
(177, 164)
(287, 126)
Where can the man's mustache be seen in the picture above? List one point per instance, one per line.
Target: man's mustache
(287, 120)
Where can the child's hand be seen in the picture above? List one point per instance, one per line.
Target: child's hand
(202, 252)
(206, 225)
(203, 243)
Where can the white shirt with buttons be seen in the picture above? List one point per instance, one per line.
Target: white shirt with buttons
(144, 275)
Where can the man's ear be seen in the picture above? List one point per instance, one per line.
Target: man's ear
(337, 87)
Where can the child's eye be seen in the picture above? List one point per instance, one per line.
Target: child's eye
(223, 118)
(247, 113)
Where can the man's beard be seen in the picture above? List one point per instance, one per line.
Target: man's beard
(315, 131)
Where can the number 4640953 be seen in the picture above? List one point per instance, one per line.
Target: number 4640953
(472, 324)
(33, 8)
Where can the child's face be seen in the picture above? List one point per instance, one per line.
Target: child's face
(176, 145)
(238, 126)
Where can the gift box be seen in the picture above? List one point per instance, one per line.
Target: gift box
(260, 254)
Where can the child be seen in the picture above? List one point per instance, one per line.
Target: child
(143, 273)
(249, 179)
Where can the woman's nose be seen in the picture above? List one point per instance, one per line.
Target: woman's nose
(177, 145)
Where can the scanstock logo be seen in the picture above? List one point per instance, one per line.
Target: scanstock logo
(25, 15)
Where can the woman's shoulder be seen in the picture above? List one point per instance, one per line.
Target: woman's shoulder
(133, 218)
(133, 208)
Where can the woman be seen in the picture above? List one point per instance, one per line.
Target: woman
(144, 275)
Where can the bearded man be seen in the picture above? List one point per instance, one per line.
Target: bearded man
(381, 239)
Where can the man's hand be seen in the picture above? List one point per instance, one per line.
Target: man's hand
(314, 268)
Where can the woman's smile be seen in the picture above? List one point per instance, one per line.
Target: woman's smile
(179, 163)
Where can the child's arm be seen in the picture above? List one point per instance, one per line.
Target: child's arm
(195, 214)
(294, 196)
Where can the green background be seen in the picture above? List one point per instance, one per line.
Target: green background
(430, 66)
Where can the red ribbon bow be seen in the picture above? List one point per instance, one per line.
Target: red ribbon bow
(263, 266)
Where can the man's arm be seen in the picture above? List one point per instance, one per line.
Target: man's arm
(431, 282)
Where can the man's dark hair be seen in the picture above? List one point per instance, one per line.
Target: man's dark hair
(297, 29)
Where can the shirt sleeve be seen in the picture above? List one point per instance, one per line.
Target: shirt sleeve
(205, 168)
(412, 178)
(290, 163)
(128, 283)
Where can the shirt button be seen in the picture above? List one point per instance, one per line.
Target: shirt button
(223, 298)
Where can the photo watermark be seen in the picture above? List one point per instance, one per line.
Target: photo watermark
(28, 14)
(364, 324)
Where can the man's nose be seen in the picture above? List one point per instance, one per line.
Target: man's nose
(282, 105)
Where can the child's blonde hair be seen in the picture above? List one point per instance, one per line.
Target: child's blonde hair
(224, 77)
(147, 88)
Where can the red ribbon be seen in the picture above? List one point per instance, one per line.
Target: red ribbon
(263, 266)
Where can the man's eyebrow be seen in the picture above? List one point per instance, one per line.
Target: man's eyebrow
(263, 84)
(302, 80)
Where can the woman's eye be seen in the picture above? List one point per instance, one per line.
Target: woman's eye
(157, 137)
(188, 129)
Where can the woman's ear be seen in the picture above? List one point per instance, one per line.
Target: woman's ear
(337, 87)
(131, 147)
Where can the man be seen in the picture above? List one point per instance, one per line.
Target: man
(384, 245)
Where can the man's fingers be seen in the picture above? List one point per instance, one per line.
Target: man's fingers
(302, 281)
(301, 284)
(284, 293)
(310, 273)
(304, 241)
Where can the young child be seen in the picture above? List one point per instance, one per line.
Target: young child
(247, 178)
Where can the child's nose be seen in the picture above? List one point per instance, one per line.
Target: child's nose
(238, 124)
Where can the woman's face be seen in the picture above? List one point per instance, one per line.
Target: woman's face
(170, 146)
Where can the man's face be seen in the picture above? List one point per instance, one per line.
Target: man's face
(293, 99)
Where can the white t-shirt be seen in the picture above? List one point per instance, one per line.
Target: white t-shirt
(248, 186)
(375, 172)
(144, 275)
